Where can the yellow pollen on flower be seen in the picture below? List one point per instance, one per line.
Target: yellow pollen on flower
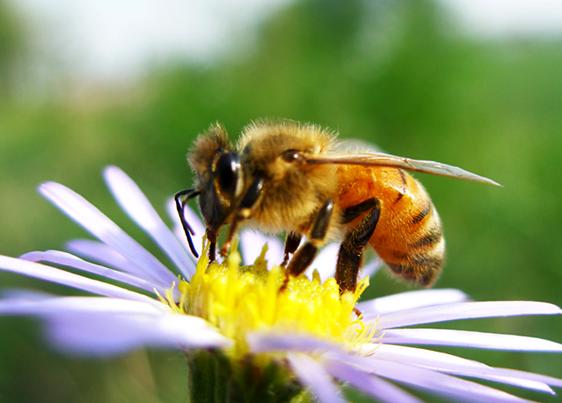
(242, 299)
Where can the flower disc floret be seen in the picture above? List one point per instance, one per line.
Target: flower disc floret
(240, 300)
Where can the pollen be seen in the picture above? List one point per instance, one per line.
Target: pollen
(240, 299)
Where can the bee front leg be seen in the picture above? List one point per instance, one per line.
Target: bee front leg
(304, 255)
(244, 210)
(351, 249)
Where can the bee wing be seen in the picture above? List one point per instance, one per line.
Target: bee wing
(387, 160)
(353, 146)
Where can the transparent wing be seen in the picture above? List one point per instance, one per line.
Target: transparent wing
(387, 160)
(353, 146)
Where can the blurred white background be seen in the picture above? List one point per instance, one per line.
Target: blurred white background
(104, 40)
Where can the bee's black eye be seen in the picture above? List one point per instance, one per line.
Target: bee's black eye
(227, 172)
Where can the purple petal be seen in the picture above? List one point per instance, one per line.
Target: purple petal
(43, 304)
(313, 375)
(410, 358)
(273, 341)
(371, 268)
(251, 244)
(99, 225)
(103, 335)
(369, 384)
(422, 357)
(514, 373)
(136, 205)
(17, 294)
(463, 338)
(58, 276)
(105, 326)
(194, 221)
(409, 300)
(455, 365)
(325, 262)
(497, 375)
(427, 379)
(66, 259)
(465, 310)
(101, 253)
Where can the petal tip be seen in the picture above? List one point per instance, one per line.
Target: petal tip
(53, 190)
(30, 256)
(113, 175)
(112, 170)
(47, 187)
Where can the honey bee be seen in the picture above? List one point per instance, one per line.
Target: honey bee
(298, 179)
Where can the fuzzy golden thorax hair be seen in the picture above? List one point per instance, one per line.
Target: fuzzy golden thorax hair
(292, 191)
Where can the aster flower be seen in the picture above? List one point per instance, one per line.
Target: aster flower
(241, 335)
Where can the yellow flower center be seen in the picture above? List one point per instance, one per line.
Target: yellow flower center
(242, 299)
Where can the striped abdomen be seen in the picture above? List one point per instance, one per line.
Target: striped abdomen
(408, 236)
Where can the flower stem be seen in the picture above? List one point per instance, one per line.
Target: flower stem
(215, 378)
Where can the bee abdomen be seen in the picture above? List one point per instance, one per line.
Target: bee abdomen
(429, 239)
(409, 238)
(421, 258)
(423, 269)
(423, 214)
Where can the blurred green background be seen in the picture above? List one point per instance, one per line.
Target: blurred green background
(404, 75)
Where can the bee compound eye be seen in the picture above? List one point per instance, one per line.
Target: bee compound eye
(228, 173)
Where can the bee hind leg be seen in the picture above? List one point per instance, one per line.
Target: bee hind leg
(304, 255)
(292, 242)
(351, 249)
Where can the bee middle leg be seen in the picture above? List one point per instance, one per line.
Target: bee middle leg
(304, 255)
(351, 250)
(212, 238)
(292, 242)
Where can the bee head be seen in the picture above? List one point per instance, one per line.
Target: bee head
(219, 176)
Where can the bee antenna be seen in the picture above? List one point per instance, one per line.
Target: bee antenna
(181, 198)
